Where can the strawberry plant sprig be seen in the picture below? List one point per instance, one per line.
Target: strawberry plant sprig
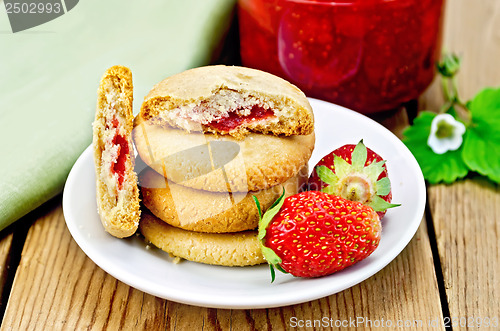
(462, 136)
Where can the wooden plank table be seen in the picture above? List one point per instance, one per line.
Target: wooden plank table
(450, 269)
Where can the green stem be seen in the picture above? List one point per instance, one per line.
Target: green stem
(465, 115)
(450, 91)
(454, 85)
(445, 107)
(444, 86)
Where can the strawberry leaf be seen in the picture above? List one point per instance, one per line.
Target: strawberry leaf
(436, 168)
(271, 257)
(279, 201)
(342, 167)
(258, 206)
(373, 170)
(269, 214)
(358, 156)
(379, 204)
(273, 273)
(383, 186)
(327, 175)
(481, 147)
(280, 268)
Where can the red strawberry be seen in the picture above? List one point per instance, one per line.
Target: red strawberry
(356, 173)
(314, 234)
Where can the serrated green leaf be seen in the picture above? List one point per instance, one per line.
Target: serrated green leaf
(383, 186)
(486, 105)
(379, 204)
(358, 157)
(342, 167)
(327, 175)
(481, 148)
(436, 168)
(482, 154)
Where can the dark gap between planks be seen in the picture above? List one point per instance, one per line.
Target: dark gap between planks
(437, 263)
(412, 109)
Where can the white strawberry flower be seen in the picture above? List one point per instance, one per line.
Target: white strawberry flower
(446, 134)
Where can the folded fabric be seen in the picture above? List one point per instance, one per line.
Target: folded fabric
(50, 75)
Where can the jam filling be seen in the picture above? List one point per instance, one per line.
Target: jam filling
(118, 167)
(114, 123)
(234, 120)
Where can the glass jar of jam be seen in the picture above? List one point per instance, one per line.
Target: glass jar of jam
(368, 55)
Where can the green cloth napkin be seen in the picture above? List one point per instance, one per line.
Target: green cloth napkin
(49, 77)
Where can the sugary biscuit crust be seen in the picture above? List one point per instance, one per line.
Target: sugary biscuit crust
(118, 205)
(256, 163)
(212, 212)
(225, 249)
(175, 100)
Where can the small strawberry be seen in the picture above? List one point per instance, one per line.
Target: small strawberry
(356, 173)
(312, 234)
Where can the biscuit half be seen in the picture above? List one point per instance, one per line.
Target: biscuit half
(229, 100)
(212, 212)
(116, 182)
(221, 163)
(225, 249)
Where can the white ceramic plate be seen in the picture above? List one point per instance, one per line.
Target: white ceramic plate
(152, 271)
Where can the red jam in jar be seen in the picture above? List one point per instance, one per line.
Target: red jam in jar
(368, 55)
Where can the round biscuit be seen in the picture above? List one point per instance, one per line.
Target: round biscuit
(221, 163)
(225, 249)
(204, 211)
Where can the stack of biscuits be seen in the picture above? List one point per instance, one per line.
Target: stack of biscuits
(209, 139)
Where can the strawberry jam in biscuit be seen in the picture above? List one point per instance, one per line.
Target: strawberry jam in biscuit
(116, 181)
(122, 151)
(233, 119)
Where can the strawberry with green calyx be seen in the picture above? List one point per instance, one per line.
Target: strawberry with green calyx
(264, 220)
(313, 234)
(356, 173)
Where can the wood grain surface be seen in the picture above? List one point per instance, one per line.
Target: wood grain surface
(58, 287)
(5, 249)
(466, 214)
(466, 222)
(453, 257)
